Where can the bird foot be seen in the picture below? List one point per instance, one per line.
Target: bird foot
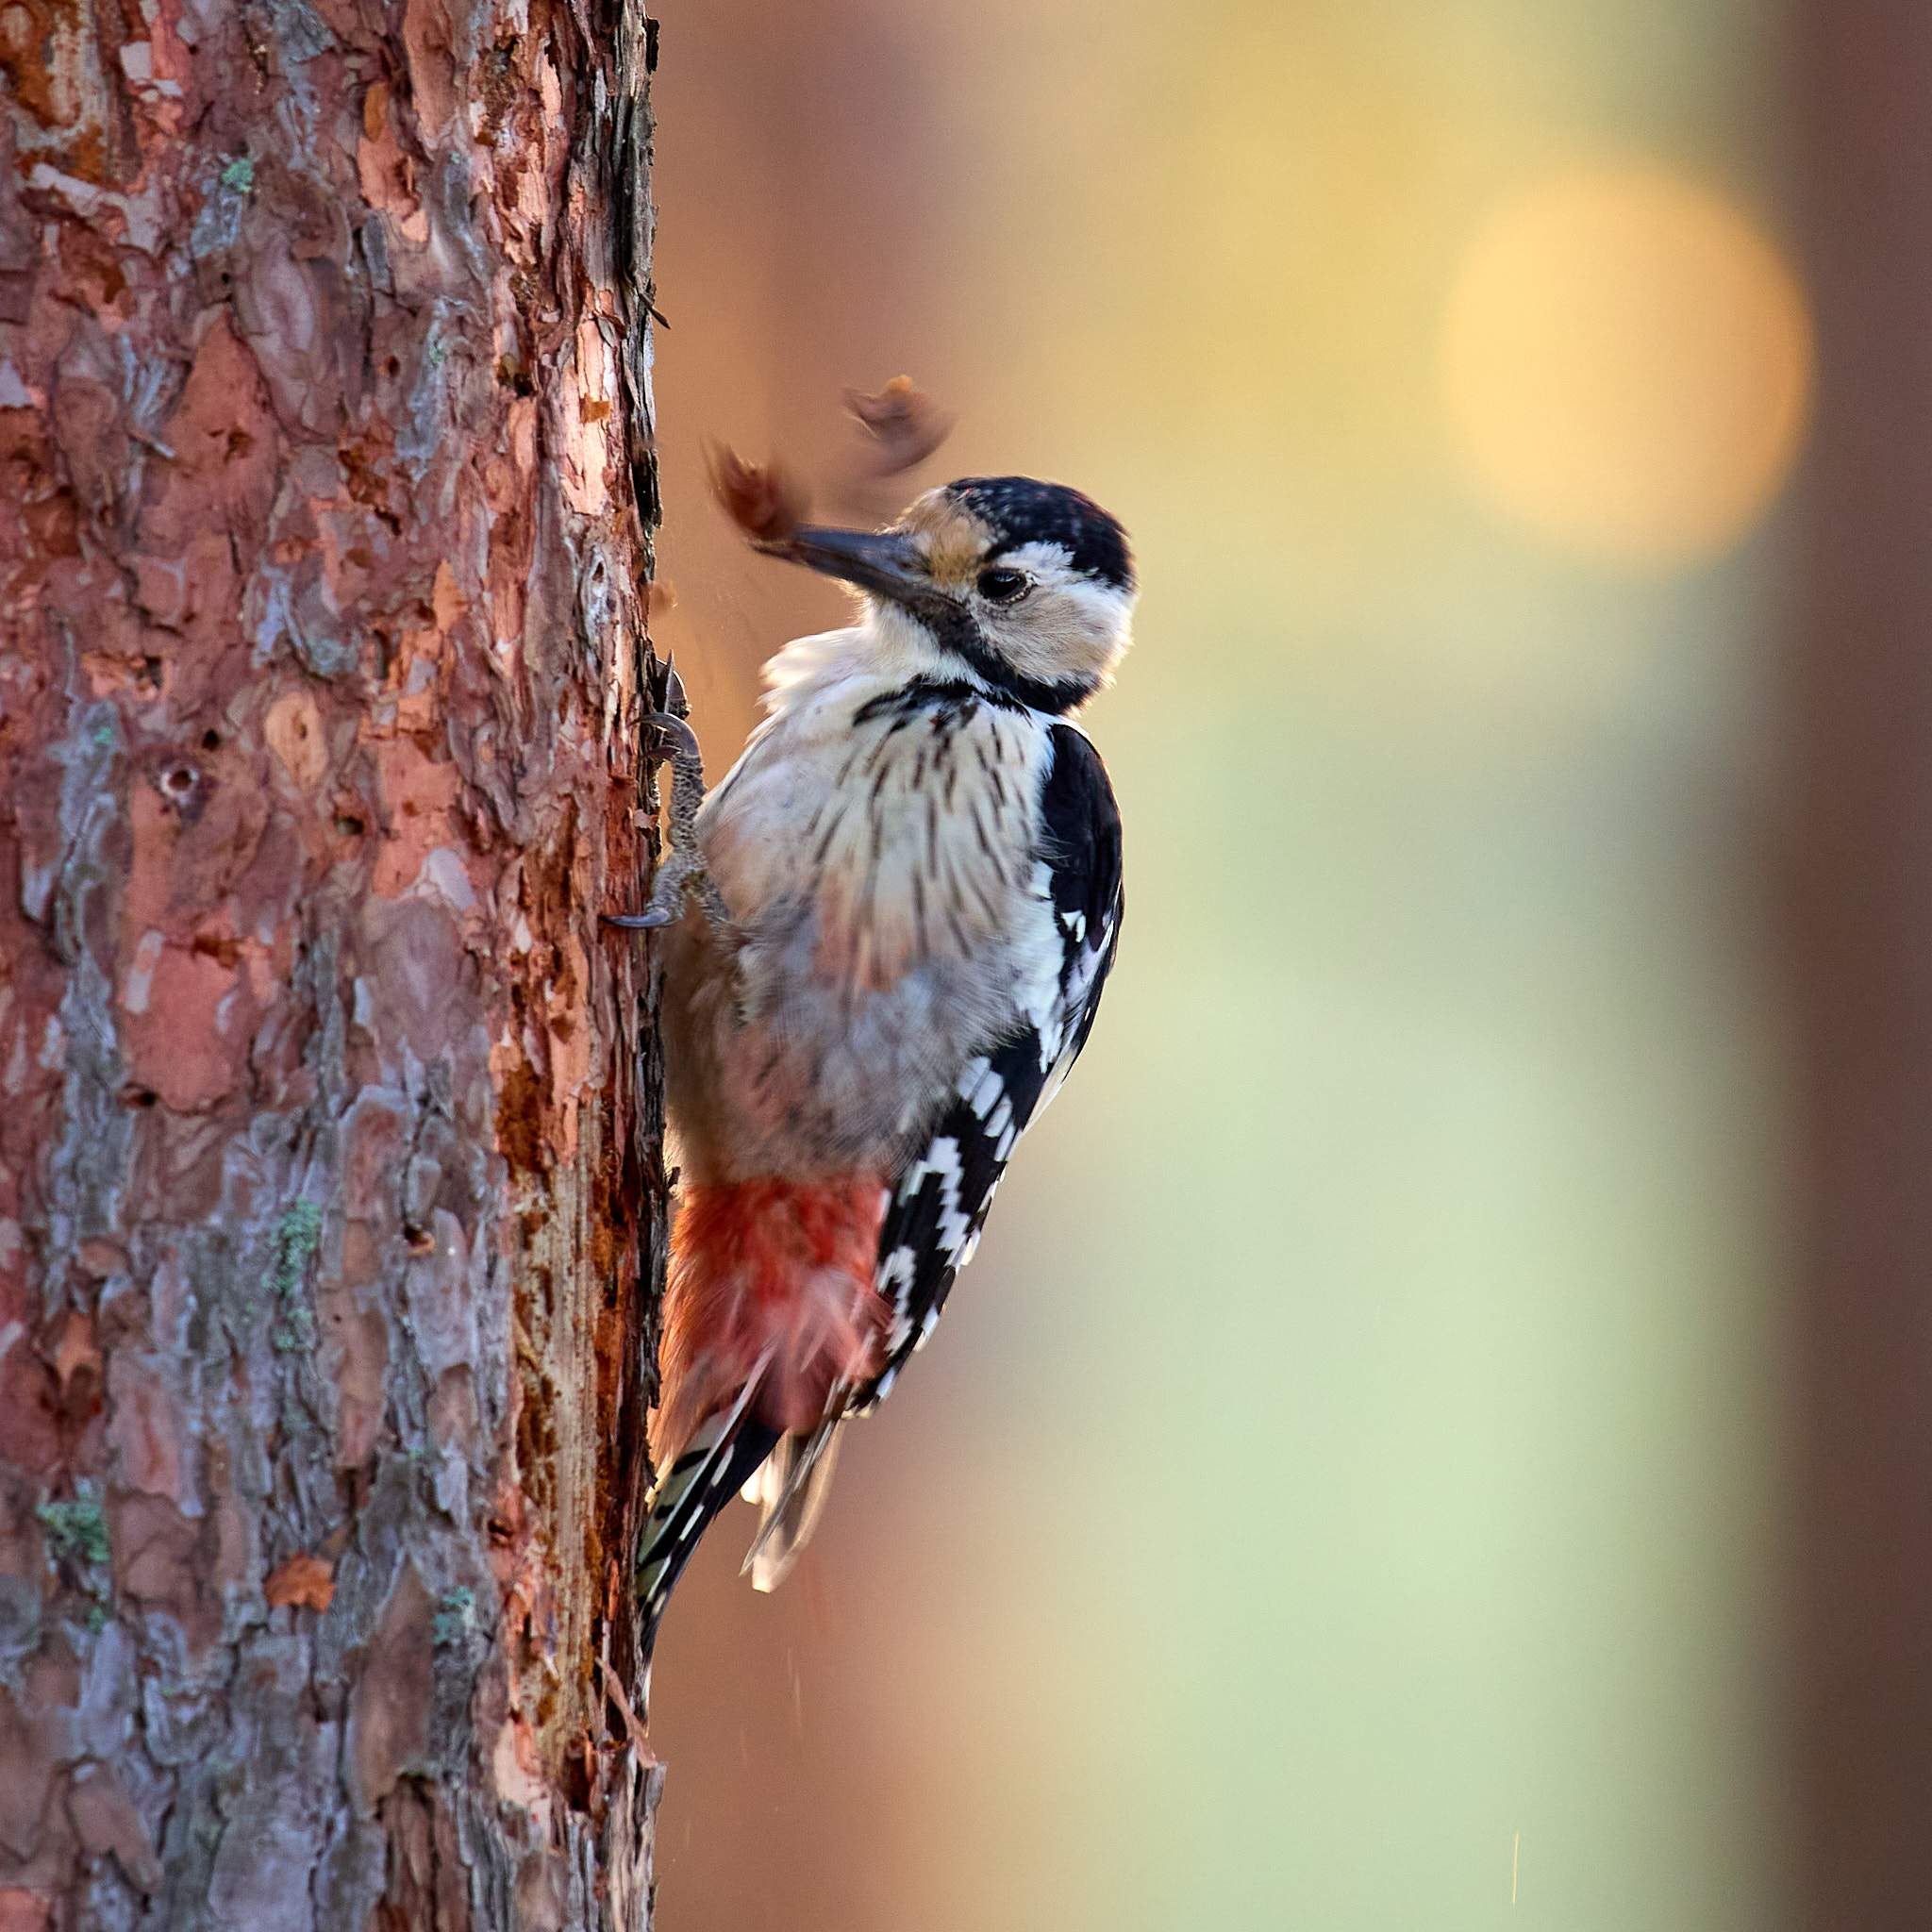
(679, 872)
(668, 740)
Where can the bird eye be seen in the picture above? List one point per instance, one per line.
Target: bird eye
(1003, 586)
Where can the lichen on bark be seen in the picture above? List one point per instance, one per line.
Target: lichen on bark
(329, 1202)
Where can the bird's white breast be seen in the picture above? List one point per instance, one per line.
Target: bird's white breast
(890, 919)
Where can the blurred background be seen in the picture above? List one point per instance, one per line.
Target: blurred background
(1362, 1479)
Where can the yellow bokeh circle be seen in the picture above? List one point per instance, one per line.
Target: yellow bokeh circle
(1628, 365)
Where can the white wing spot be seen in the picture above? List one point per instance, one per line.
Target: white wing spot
(991, 1090)
(943, 1161)
(895, 1276)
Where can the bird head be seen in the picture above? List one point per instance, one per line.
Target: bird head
(1027, 585)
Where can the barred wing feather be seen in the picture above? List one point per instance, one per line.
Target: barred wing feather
(940, 1200)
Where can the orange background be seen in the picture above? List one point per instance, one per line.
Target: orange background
(1344, 1491)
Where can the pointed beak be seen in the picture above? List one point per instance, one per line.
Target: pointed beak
(888, 565)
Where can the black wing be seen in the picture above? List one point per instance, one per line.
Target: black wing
(940, 1200)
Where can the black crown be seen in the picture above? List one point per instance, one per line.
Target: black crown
(1020, 510)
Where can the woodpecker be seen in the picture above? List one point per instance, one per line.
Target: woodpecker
(887, 930)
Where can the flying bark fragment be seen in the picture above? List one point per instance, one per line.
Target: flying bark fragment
(902, 426)
(764, 500)
(898, 429)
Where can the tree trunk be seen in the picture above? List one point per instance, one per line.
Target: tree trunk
(1859, 881)
(329, 1182)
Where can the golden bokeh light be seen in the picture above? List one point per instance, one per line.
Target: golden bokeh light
(1627, 362)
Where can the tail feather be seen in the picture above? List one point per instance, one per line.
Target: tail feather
(792, 1486)
(723, 1453)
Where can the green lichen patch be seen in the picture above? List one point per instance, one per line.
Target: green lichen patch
(298, 1235)
(456, 1616)
(76, 1529)
(297, 1238)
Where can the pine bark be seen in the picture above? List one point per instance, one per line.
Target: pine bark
(330, 1197)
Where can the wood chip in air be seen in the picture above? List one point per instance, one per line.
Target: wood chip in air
(764, 501)
(902, 424)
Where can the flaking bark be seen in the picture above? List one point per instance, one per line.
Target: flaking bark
(330, 1198)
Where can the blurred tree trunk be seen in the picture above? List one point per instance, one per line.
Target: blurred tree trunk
(325, 493)
(1859, 871)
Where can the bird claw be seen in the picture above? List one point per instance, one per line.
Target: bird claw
(674, 700)
(667, 739)
(680, 872)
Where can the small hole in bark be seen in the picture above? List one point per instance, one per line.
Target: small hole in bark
(210, 740)
(350, 826)
(395, 368)
(178, 780)
(149, 675)
(140, 1096)
(576, 1778)
(420, 1239)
